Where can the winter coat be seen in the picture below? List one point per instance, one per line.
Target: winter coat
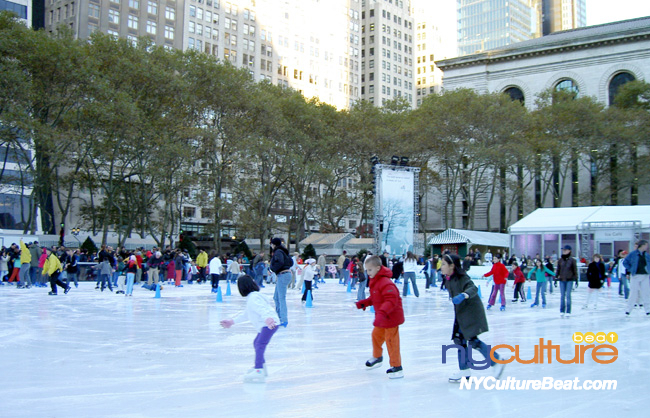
(202, 259)
(499, 272)
(215, 266)
(567, 269)
(53, 265)
(519, 275)
(470, 313)
(42, 259)
(25, 255)
(308, 273)
(3, 263)
(385, 297)
(410, 266)
(36, 253)
(171, 270)
(398, 269)
(596, 274)
(258, 309)
(281, 260)
(178, 262)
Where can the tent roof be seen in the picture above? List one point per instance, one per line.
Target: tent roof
(458, 236)
(326, 239)
(554, 220)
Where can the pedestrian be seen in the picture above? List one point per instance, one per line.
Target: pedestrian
(72, 268)
(540, 271)
(25, 264)
(281, 265)
(131, 271)
(363, 280)
(637, 265)
(596, 276)
(469, 318)
(499, 273)
(567, 272)
(201, 264)
(171, 271)
(519, 283)
(260, 313)
(34, 272)
(178, 268)
(389, 315)
(339, 267)
(410, 267)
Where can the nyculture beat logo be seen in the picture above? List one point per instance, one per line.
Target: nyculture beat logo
(602, 352)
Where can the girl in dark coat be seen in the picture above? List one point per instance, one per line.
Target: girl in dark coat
(470, 320)
(596, 276)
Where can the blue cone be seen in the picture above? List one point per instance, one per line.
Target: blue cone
(219, 297)
(372, 309)
(530, 294)
(157, 291)
(303, 287)
(349, 286)
(309, 303)
(408, 289)
(228, 290)
(479, 292)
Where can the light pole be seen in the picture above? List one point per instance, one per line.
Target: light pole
(75, 233)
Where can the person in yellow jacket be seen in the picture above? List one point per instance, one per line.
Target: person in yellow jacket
(201, 264)
(25, 264)
(53, 268)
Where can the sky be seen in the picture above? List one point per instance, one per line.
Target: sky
(604, 11)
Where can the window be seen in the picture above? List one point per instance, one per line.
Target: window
(152, 8)
(133, 22)
(199, 13)
(226, 23)
(93, 11)
(151, 27)
(192, 27)
(515, 93)
(617, 82)
(132, 39)
(199, 29)
(567, 85)
(113, 33)
(113, 16)
(170, 13)
(188, 212)
(92, 27)
(208, 16)
(233, 24)
(169, 32)
(192, 11)
(207, 213)
(134, 4)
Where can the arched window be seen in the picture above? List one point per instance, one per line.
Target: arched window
(515, 93)
(615, 84)
(567, 85)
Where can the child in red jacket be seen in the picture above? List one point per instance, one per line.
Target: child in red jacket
(389, 315)
(520, 279)
(500, 273)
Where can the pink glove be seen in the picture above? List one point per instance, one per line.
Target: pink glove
(270, 322)
(227, 323)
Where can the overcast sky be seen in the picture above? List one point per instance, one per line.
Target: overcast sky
(604, 11)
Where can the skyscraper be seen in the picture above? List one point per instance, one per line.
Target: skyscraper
(387, 57)
(489, 24)
(558, 15)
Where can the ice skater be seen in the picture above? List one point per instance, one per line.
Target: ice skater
(500, 276)
(131, 270)
(567, 272)
(308, 274)
(281, 265)
(519, 283)
(389, 315)
(53, 268)
(540, 271)
(260, 313)
(470, 320)
(596, 276)
(637, 265)
(410, 267)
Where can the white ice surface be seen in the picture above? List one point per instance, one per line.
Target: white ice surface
(93, 354)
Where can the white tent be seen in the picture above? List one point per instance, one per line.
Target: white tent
(463, 236)
(591, 229)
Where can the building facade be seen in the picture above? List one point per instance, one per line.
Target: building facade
(490, 24)
(558, 15)
(388, 51)
(21, 8)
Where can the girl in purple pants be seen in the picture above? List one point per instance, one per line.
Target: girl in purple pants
(263, 317)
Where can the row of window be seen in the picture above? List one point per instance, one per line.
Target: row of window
(94, 11)
(61, 13)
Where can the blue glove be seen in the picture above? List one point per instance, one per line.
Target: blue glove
(458, 298)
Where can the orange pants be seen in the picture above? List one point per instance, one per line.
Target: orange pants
(15, 274)
(391, 336)
(179, 276)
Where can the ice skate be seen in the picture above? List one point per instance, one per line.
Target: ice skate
(503, 308)
(459, 374)
(395, 372)
(488, 307)
(255, 376)
(373, 363)
(533, 305)
(497, 370)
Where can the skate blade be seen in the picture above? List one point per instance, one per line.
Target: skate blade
(374, 367)
(396, 375)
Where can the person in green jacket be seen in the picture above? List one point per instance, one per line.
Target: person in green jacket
(540, 271)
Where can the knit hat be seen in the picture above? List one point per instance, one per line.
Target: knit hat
(277, 242)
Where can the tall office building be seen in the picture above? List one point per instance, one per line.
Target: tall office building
(312, 46)
(489, 24)
(21, 8)
(387, 57)
(558, 15)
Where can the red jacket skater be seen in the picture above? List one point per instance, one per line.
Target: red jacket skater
(500, 273)
(519, 275)
(384, 296)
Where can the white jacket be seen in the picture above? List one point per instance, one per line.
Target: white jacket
(215, 266)
(308, 273)
(258, 308)
(410, 266)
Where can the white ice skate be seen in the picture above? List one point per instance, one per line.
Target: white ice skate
(255, 376)
(459, 374)
(497, 370)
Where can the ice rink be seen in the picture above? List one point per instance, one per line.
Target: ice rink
(94, 354)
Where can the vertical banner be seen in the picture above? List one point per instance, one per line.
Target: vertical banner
(396, 211)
